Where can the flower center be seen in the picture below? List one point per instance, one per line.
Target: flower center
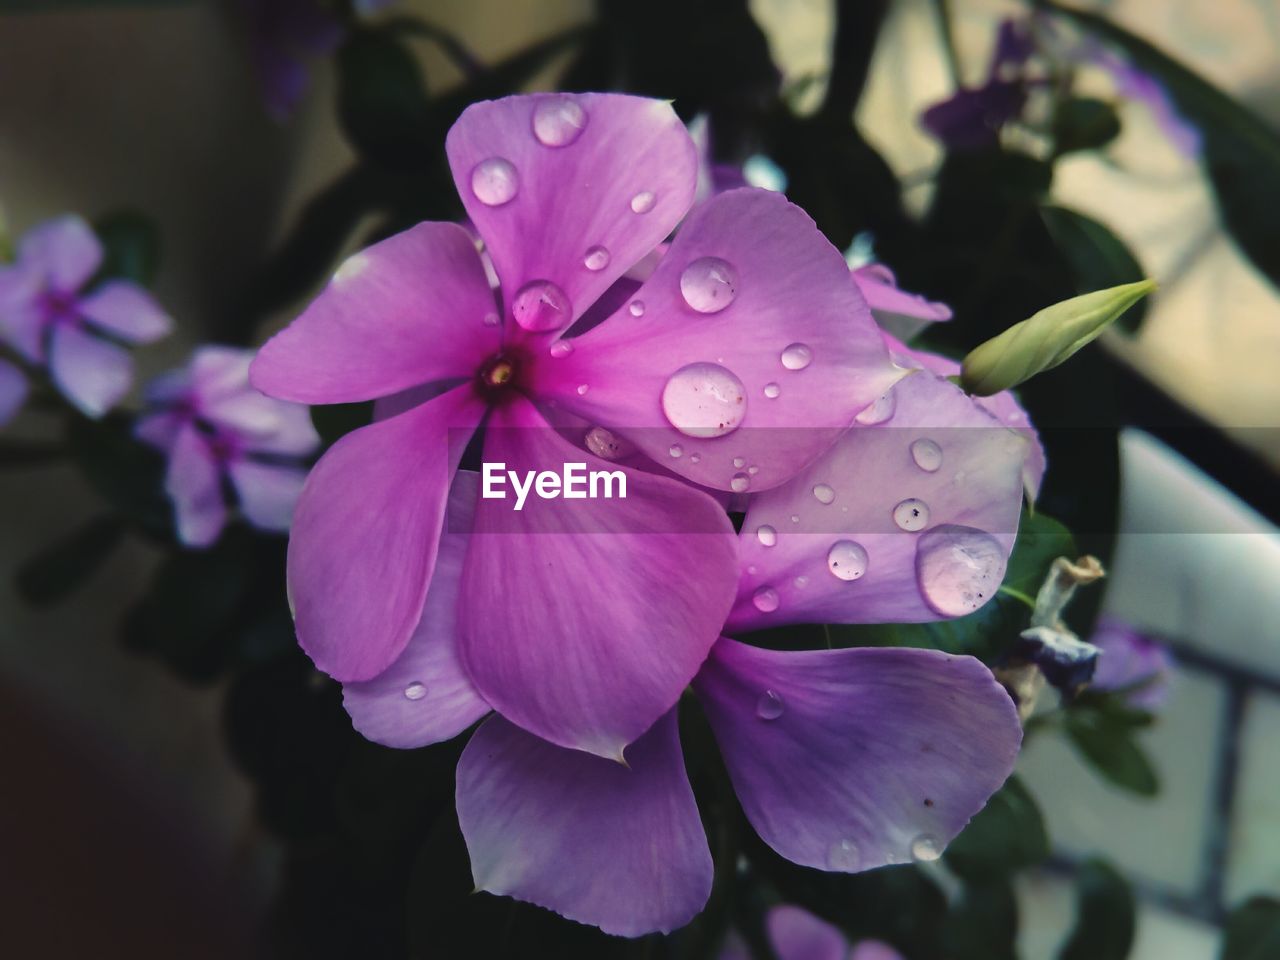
(497, 376)
(58, 307)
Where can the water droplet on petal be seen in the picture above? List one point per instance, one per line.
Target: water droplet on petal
(879, 411)
(695, 458)
(847, 559)
(843, 856)
(637, 308)
(704, 400)
(824, 493)
(752, 470)
(540, 306)
(766, 599)
(676, 451)
(351, 268)
(925, 848)
(739, 483)
(926, 454)
(739, 462)
(491, 319)
(558, 121)
(795, 518)
(709, 284)
(415, 691)
(582, 389)
(801, 581)
(772, 391)
(797, 356)
(642, 202)
(911, 515)
(494, 181)
(597, 258)
(769, 706)
(561, 348)
(767, 535)
(603, 443)
(958, 568)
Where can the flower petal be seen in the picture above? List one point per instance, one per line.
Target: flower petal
(850, 759)
(65, 251)
(618, 847)
(583, 620)
(900, 313)
(792, 295)
(796, 934)
(268, 492)
(194, 484)
(628, 154)
(407, 310)
(425, 697)
(92, 373)
(22, 318)
(13, 391)
(909, 520)
(365, 534)
(126, 310)
(874, 950)
(160, 430)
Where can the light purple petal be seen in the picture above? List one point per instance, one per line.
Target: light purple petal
(160, 430)
(898, 312)
(65, 251)
(92, 373)
(908, 520)
(268, 492)
(365, 534)
(22, 317)
(618, 847)
(1129, 658)
(616, 155)
(796, 934)
(874, 950)
(425, 697)
(846, 760)
(583, 620)
(194, 484)
(403, 312)
(13, 391)
(789, 293)
(126, 310)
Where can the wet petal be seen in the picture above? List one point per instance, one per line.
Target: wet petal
(549, 179)
(851, 759)
(618, 847)
(126, 310)
(268, 492)
(425, 697)
(786, 342)
(92, 373)
(13, 391)
(796, 934)
(908, 520)
(405, 311)
(65, 251)
(194, 484)
(365, 534)
(589, 667)
(900, 313)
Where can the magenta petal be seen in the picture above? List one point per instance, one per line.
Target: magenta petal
(874, 950)
(268, 492)
(365, 534)
(425, 697)
(909, 520)
(619, 182)
(92, 373)
(791, 295)
(900, 313)
(583, 620)
(65, 251)
(405, 311)
(851, 759)
(796, 934)
(194, 484)
(159, 430)
(618, 847)
(13, 391)
(126, 310)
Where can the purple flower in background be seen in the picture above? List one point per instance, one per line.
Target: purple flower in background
(796, 934)
(1141, 87)
(50, 319)
(217, 430)
(13, 391)
(1133, 662)
(284, 35)
(972, 117)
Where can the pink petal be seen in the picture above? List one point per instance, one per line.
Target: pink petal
(583, 620)
(618, 847)
(405, 311)
(194, 484)
(268, 492)
(791, 296)
(128, 311)
(901, 313)
(630, 154)
(851, 759)
(92, 373)
(65, 251)
(365, 534)
(909, 520)
(425, 697)
(796, 934)
(13, 391)
(874, 950)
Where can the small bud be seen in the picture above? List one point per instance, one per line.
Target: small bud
(1046, 339)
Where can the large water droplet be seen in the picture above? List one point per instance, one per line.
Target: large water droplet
(843, 856)
(351, 268)
(772, 391)
(597, 258)
(494, 181)
(769, 706)
(709, 284)
(767, 535)
(911, 515)
(704, 400)
(847, 559)
(561, 348)
(766, 599)
(879, 411)
(415, 691)
(925, 848)
(927, 454)
(558, 121)
(958, 568)
(603, 443)
(797, 356)
(739, 483)
(637, 308)
(643, 201)
(824, 493)
(541, 305)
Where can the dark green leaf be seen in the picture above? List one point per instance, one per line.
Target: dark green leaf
(1006, 835)
(131, 247)
(382, 100)
(1110, 748)
(1098, 258)
(125, 472)
(1084, 123)
(1253, 931)
(56, 571)
(983, 923)
(28, 453)
(1041, 540)
(1104, 915)
(335, 420)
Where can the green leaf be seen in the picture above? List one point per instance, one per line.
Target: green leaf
(382, 100)
(335, 420)
(1047, 339)
(131, 247)
(1097, 257)
(1041, 540)
(29, 453)
(1253, 931)
(1104, 915)
(58, 570)
(1110, 748)
(1084, 123)
(125, 472)
(1008, 834)
(983, 923)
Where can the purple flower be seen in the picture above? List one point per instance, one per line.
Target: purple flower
(216, 430)
(48, 317)
(796, 934)
(1131, 662)
(972, 117)
(898, 312)
(283, 36)
(13, 391)
(1141, 87)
